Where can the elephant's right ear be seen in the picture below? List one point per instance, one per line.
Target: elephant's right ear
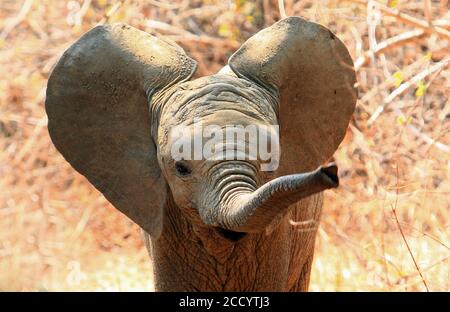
(99, 119)
(312, 72)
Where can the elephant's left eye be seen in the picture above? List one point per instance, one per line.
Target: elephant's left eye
(182, 168)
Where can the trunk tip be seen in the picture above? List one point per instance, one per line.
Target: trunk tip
(331, 172)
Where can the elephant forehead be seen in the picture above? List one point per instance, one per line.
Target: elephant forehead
(218, 93)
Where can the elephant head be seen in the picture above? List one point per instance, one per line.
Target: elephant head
(117, 94)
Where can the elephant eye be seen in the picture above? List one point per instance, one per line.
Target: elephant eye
(182, 168)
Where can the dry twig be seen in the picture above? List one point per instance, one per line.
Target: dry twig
(17, 20)
(393, 209)
(409, 248)
(281, 8)
(407, 19)
(390, 43)
(111, 12)
(405, 86)
(181, 35)
(427, 11)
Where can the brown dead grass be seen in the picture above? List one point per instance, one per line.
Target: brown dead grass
(58, 233)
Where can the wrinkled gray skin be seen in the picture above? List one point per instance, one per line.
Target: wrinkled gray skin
(216, 225)
(226, 260)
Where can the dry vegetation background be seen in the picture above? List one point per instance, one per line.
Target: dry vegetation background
(385, 229)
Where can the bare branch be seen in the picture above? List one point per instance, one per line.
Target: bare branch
(394, 212)
(392, 42)
(407, 19)
(409, 248)
(181, 35)
(281, 8)
(17, 20)
(405, 86)
(110, 12)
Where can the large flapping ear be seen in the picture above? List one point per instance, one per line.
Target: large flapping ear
(313, 74)
(99, 118)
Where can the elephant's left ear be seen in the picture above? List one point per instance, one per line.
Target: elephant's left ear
(99, 119)
(312, 72)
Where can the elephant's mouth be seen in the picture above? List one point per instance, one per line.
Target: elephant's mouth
(230, 235)
(241, 205)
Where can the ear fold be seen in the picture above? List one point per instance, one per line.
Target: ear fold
(99, 115)
(313, 74)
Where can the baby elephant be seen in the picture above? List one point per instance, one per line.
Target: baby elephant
(218, 214)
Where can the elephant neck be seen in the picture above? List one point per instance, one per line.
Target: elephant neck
(188, 257)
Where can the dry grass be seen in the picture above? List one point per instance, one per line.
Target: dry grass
(58, 233)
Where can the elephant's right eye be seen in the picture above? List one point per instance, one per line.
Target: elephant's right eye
(182, 168)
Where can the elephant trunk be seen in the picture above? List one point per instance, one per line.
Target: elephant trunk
(253, 211)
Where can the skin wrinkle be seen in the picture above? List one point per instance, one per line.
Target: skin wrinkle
(232, 163)
(211, 109)
(304, 241)
(217, 174)
(189, 104)
(229, 188)
(236, 175)
(180, 245)
(230, 279)
(227, 85)
(233, 192)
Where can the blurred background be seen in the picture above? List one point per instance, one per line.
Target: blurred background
(385, 229)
